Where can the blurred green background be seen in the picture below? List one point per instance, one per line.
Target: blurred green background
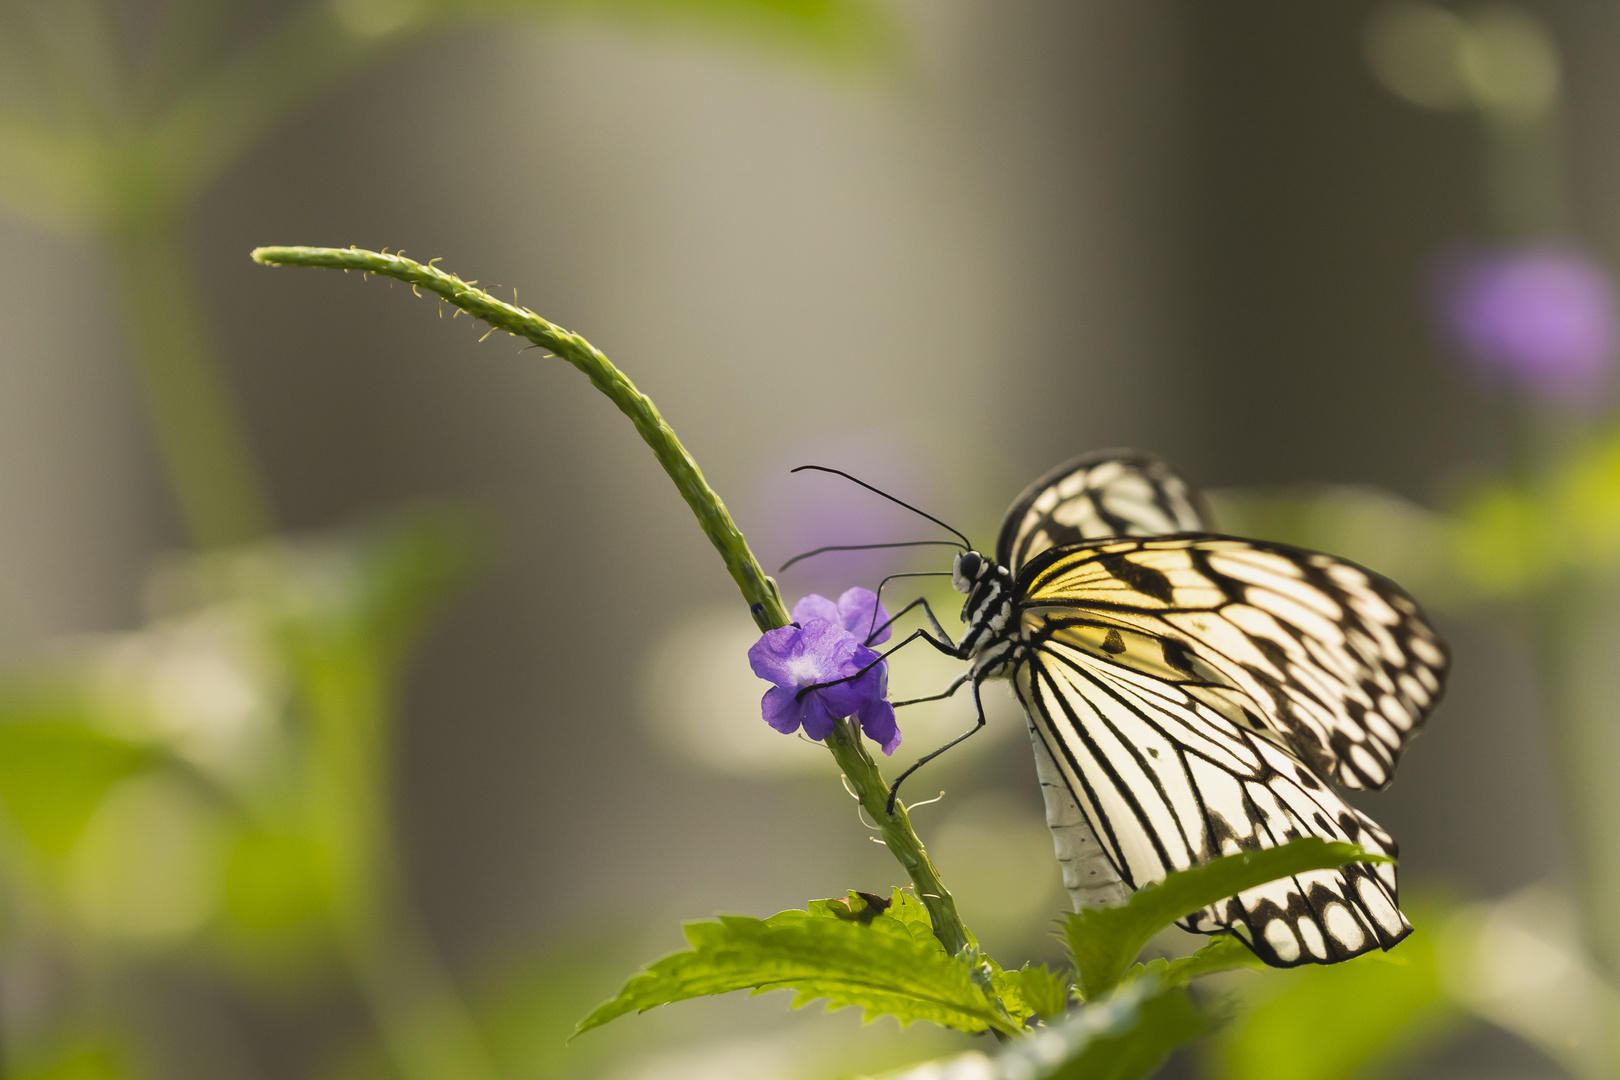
(372, 706)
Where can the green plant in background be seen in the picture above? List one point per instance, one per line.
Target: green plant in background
(905, 956)
(103, 140)
(253, 818)
(221, 772)
(224, 772)
(1533, 550)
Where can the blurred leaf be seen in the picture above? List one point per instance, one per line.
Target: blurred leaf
(1104, 941)
(1225, 953)
(1587, 493)
(147, 868)
(91, 1059)
(54, 774)
(1505, 542)
(1165, 1021)
(1362, 1017)
(409, 565)
(1032, 990)
(48, 176)
(275, 882)
(850, 952)
(1520, 962)
(1121, 1036)
(528, 1009)
(373, 590)
(842, 32)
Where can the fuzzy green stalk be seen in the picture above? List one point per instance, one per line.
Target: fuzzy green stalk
(760, 591)
(764, 601)
(873, 793)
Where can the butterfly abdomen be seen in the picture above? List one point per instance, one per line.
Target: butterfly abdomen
(1089, 878)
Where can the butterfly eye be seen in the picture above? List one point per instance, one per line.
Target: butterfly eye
(969, 565)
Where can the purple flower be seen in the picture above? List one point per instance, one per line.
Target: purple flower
(1543, 318)
(821, 647)
(854, 611)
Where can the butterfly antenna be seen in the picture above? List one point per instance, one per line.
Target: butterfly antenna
(865, 547)
(967, 545)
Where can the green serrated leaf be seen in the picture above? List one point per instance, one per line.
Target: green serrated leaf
(906, 908)
(1104, 941)
(1032, 990)
(1224, 953)
(852, 952)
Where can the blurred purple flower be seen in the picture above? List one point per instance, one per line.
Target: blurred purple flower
(1544, 318)
(795, 514)
(817, 650)
(854, 612)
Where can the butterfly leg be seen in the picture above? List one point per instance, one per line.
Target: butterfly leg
(978, 706)
(922, 602)
(949, 691)
(946, 647)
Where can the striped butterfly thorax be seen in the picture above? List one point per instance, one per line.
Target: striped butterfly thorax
(1190, 695)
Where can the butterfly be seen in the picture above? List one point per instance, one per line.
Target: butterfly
(1191, 695)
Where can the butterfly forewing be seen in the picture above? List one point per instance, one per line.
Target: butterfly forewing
(1106, 493)
(1331, 661)
(1193, 690)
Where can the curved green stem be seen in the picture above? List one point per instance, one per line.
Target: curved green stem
(759, 590)
(873, 792)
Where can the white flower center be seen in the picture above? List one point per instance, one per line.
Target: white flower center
(805, 670)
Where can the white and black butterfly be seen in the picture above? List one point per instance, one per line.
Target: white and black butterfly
(1192, 695)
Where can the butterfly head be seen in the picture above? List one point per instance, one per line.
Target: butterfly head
(969, 569)
(988, 588)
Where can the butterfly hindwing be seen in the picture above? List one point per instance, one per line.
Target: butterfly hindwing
(1104, 493)
(1169, 783)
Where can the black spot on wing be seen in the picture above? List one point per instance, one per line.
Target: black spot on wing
(1177, 655)
(1222, 834)
(1117, 525)
(1275, 655)
(1144, 579)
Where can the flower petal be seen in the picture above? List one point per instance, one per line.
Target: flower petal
(781, 710)
(826, 652)
(815, 606)
(875, 683)
(772, 655)
(878, 721)
(858, 696)
(818, 722)
(856, 609)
